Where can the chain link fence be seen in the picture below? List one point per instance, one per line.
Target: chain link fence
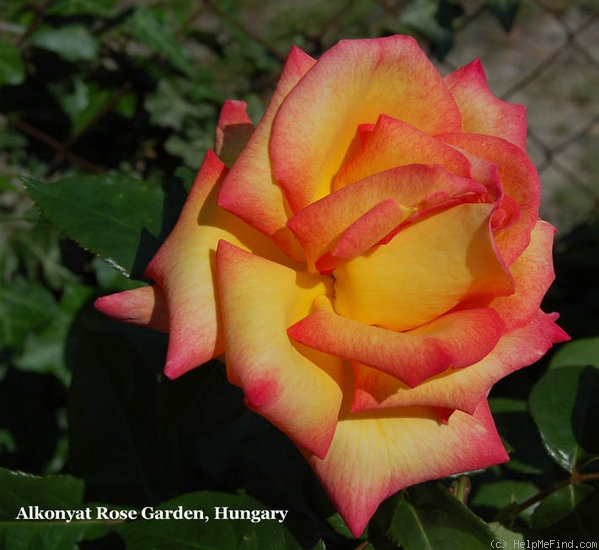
(548, 62)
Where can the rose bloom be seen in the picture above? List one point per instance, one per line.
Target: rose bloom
(369, 258)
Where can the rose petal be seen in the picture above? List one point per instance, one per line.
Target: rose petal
(533, 274)
(413, 187)
(372, 456)
(145, 306)
(259, 300)
(520, 182)
(465, 388)
(233, 131)
(426, 270)
(482, 112)
(352, 84)
(454, 340)
(371, 228)
(249, 190)
(391, 143)
(183, 270)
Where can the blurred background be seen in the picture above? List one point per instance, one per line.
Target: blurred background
(136, 86)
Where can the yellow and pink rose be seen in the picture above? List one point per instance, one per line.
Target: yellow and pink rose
(370, 260)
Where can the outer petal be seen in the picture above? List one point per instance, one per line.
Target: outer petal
(520, 183)
(259, 299)
(233, 131)
(352, 84)
(533, 274)
(375, 455)
(454, 340)
(482, 112)
(145, 306)
(415, 187)
(426, 270)
(461, 389)
(391, 143)
(183, 269)
(249, 191)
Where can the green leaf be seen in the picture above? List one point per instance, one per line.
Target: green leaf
(169, 108)
(433, 19)
(504, 10)
(71, 42)
(502, 494)
(24, 307)
(175, 534)
(81, 103)
(559, 504)
(428, 517)
(565, 406)
(12, 68)
(149, 27)
(520, 436)
(511, 538)
(584, 351)
(19, 491)
(43, 351)
(115, 216)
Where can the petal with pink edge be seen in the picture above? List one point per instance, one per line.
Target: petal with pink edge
(144, 306)
(533, 274)
(482, 112)
(259, 299)
(233, 131)
(455, 340)
(520, 183)
(465, 388)
(426, 270)
(316, 128)
(415, 187)
(249, 190)
(183, 268)
(391, 143)
(399, 448)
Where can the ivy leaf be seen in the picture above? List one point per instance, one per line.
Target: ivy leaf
(12, 68)
(148, 27)
(44, 350)
(71, 42)
(565, 406)
(428, 516)
(433, 19)
(114, 216)
(213, 533)
(559, 504)
(24, 307)
(504, 10)
(19, 490)
(168, 107)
